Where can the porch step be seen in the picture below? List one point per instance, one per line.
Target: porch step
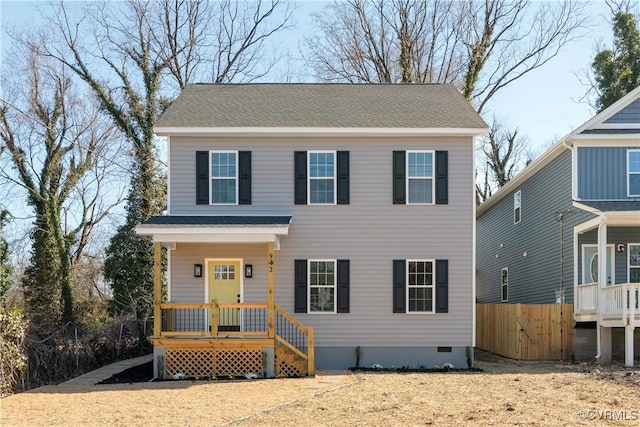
(289, 364)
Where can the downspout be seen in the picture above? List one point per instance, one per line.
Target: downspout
(573, 167)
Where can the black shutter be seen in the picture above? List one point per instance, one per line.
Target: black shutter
(343, 177)
(300, 286)
(244, 173)
(399, 178)
(343, 285)
(442, 286)
(300, 177)
(442, 177)
(399, 286)
(202, 177)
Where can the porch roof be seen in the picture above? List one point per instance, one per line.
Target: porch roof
(215, 228)
(613, 206)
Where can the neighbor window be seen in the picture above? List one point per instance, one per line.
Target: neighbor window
(224, 177)
(322, 286)
(517, 206)
(420, 177)
(634, 262)
(420, 286)
(633, 173)
(322, 178)
(504, 281)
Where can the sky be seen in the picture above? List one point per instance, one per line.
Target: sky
(544, 105)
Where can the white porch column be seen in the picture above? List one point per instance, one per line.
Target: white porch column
(602, 254)
(628, 345)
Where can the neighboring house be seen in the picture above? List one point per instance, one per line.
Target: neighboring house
(324, 222)
(538, 237)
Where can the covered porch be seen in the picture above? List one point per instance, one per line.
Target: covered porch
(224, 334)
(606, 280)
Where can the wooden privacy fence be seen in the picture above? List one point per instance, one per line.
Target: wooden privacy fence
(526, 331)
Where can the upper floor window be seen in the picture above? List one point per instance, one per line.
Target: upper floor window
(517, 206)
(322, 178)
(224, 177)
(633, 173)
(504, 282)
(420, 177)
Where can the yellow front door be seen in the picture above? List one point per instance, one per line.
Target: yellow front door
(224, 286)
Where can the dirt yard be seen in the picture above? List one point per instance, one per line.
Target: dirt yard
(506, 393)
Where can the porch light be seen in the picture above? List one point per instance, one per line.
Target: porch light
(197, 270)
(248, 270)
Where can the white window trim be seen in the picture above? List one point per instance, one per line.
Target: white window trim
(433, 286)
(515, 208)
(335, 286)
(211, 178)
(629, 267)
(502, 285)
(629, 173)
(335, 176)
(433, 180)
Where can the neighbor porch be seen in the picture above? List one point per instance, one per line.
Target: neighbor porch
(607, 273)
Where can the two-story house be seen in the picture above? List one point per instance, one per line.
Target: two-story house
(316, 224)
(540, 236)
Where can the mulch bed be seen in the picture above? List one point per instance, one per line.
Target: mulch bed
(136, 374)
(416, 370)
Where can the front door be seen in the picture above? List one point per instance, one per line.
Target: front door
(590, 265)
(224, 286)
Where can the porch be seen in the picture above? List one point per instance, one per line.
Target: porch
(248, 338)
(611, 306)
(222, 335)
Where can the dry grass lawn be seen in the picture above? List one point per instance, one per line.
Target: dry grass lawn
(506, 393)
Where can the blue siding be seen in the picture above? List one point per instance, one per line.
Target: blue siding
(629, 114)
(536, 277)
(615, 236)
(602, 173)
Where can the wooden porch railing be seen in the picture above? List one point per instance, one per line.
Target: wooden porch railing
(614, 301)
(236, 320)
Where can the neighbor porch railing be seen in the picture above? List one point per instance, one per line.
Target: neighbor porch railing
(614, 301)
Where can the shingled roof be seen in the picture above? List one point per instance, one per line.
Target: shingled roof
(320, 106)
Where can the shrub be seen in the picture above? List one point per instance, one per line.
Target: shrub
(13, 360)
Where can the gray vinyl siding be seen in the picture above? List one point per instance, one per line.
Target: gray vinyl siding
(615, 237)
(536, 277)
(370, 232)
(629, 114)
(602, 173)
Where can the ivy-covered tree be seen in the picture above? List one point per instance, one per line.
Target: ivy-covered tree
(56, 148)
(617, 71)
(135, 56)
(6, 269)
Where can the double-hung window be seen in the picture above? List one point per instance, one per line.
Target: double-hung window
(420, 284)
(224, 177)
(633, 173)
(322, 177)
(634, 262)
(322, 286)
(504, 282)
(517, 206)
(420, 180)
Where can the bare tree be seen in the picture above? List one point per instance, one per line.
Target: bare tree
(135, 56)
(503, 155)
(58, 148)
(480, 46)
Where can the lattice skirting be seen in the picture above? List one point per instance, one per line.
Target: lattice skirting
(209, 362)
(289, 364)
